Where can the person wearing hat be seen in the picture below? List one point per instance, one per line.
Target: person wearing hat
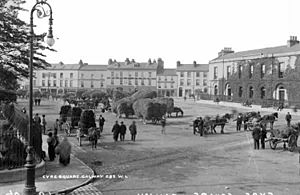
(116, 131)
(263, 135)
(133, 131)
(256, 136)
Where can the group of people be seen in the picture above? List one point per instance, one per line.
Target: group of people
(120, 130)
(37, 101)
(62, 149)
(198, 126)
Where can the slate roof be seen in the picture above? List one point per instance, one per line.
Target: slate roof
(64, 67)
(168, 72)
(264, 51)
(94, 67)
(193, 67)
(137, 65)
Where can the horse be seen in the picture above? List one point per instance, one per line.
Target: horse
(176, 110)
(218, 121)
(271, 118)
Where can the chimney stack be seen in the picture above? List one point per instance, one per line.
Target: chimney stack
(225, 51)
(178, 63)
(127, 61)
(293, 41)
(110, 61)
(195, 63)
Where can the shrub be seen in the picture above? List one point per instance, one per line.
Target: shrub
(75, 118)
(87, 120)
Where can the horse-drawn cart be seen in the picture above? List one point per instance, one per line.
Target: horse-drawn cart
(288, 136)
(91, 135)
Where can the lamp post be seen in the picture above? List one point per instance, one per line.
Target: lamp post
(30, 188)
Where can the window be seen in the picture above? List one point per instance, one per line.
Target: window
(204, 82)
(121, 81)
(228, 71)
(189, 74)
(92, 76)
(82, 84)
(112, 81)
(43, 75)
(112, 74)
(205, 74)
(136, 81)
(61, 83)
(142, 74)
(197, 82)
(280, 70)
(150, 74)
(159, 85)
(181, 74)
(92, 84)
(240, 91)
(54, 83)
(240, 69)
(71, 75)
(136, 74)
(159, 78)
(71, 83)
(166, 78)
(172, 78)
(61, 75)
(205, 90)
(43, 83)
(49, 83)
(181, 82)
(54, 75)
(101, 75)
(129, 82)
(82, 75)
(165, 85)
(215, 72)
(189, 82)
(262, 93)
(129, 75)
(197, 74)
(101, 84)
(121, 74)
(172, 85)
(66, 83)
(142, 83)
(251, 92)
(149, 81)
(216, 90)
(262, 70)
(251, 69)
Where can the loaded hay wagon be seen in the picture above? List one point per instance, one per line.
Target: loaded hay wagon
(288, 135)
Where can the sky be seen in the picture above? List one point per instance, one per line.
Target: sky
(174, 30)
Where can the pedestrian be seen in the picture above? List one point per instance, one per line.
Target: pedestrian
(39, 101)
(133, 131)
(56, 126)
(51, 146)
(116, 131)
(122, 131)
(245, 120)
(263, 135)
(256, 136)
(37, 119)
(35, 102)
(201, 126)
(64, 151)
(101, 123)
(196, 124)
(44, 123)
(66, 128)
(163, 125)
(239, 122)
(288, 119)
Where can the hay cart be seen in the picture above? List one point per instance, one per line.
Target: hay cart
(287, 136)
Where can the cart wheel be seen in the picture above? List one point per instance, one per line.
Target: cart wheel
(273, 144)
(292, 142)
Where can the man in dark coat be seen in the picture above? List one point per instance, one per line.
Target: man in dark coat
(245, 120)
(196, 125)
(256, 136)
(263, 135)
(51, 146)
(101, 123)
(122, 131)
(239, 121)
(133, 131)
(288, 119)
(201, 126)
(116, 131)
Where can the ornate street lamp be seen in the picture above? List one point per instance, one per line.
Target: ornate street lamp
(30, 188)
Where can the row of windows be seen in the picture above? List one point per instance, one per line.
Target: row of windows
(189, 81)
(49, 74)
(136, 74)
(92, 84)
(160, 78)
(165, 85)
(92, 76)
(280, 69)
(61, 83)
(112, 81)
(189, 74)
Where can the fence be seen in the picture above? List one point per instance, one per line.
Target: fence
(13, 150)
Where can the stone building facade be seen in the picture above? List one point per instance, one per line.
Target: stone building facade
(167, 83)
(264, 76)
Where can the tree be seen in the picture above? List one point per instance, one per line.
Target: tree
(14, 46)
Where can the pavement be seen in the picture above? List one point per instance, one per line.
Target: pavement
(81, 175)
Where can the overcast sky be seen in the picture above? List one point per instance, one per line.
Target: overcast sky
(184, 30)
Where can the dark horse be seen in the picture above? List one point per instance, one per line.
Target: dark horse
(271, 118)
(212, 123)
(176, 110)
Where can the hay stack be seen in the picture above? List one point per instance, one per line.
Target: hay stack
(149, 109)
(169, 102)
